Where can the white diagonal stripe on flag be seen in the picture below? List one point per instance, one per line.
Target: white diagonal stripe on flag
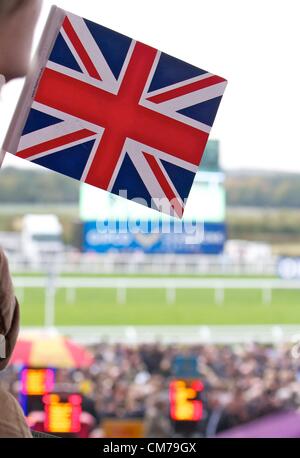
(192, 98)
(126, 62)
(137, 147)
(82, 124)
(91, 157)
(145, 172)
(174, 115)
(171, 87)
(46, 134)
(73, 50)
(92, 48)
(84, 77)
(61, 147)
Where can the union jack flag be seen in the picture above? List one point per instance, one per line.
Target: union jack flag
(120, 115)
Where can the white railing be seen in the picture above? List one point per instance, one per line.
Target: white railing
(139, 263)
(174, 334)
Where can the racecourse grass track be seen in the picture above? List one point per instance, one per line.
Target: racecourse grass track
(150, 307)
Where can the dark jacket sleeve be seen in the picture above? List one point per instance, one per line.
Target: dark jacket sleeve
(9, 310)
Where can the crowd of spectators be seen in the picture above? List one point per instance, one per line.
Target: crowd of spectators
(242, 382)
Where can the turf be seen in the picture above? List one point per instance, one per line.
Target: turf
(150, 307)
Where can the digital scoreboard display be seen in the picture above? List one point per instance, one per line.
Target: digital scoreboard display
(185, 400)
(62, 413)
(34, 383)
(37, 382)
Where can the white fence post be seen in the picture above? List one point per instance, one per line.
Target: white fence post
(267, 295)
(121, 295)
(171, 295)
(219, 295)
(50, 292)
(70, 295)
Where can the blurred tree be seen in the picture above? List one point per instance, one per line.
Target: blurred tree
(21, 186)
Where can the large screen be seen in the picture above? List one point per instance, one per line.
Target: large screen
(109, 219)
(160, 238)
(62, 412)
(206, 202)
(185, 400)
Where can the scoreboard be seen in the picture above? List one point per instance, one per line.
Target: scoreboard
(112, 224)
(34, 383)
(185, 400)
(62, 413)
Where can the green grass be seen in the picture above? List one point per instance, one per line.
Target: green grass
(149, 307)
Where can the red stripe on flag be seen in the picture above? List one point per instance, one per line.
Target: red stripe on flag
(121, 115)
(175, 204)
(87, 61)
(56, 142)
(122, 111)
(105, 158)
(183, 90)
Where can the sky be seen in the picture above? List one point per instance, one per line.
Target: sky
(254, 44)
